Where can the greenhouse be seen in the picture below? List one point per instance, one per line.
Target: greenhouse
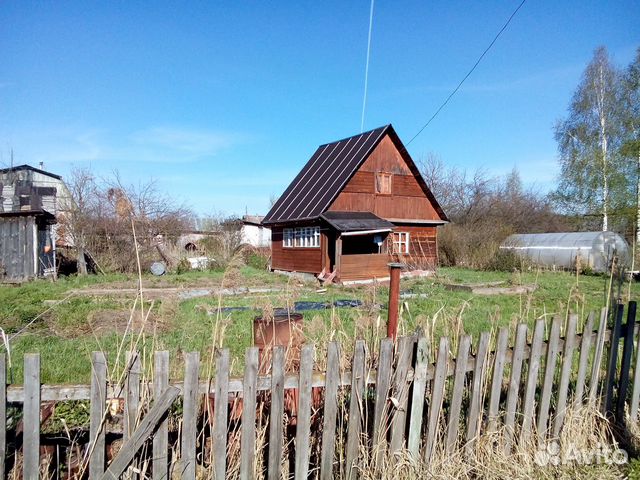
(594, 250)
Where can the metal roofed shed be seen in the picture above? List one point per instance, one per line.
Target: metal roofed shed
(564, 250)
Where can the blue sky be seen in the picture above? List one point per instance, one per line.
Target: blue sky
(222, 104)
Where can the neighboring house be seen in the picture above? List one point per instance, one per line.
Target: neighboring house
(358, 204)
(254, 233)
(30, 201)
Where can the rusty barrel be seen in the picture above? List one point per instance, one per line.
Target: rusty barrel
(283, 329)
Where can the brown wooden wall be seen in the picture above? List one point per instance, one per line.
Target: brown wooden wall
(362, 267)
(407, 200)
(423, 246)
(308, 260)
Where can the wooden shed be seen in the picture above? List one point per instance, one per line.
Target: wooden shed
(358, 204)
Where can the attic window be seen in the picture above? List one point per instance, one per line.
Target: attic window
(383, 183)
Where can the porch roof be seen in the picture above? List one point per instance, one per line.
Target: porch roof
(356, 221)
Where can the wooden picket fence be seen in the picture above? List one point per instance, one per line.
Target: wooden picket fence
(522, 388)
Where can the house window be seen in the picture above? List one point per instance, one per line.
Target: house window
(302, 237)
(383, 183)
(287, 239)
(401, 243)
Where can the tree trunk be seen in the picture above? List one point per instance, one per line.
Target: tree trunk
(638, 202)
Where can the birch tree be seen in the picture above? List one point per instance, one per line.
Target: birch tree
(631, 122)
(587, 139)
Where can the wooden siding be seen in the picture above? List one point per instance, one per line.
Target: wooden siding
(296, 259)
(407, 199)
(361, 267)
(423, 247)
(18, 243)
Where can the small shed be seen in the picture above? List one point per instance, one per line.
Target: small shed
(26, 245)
(565, 250)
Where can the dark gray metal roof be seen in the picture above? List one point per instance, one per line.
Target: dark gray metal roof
(327, 172)
(355, 221)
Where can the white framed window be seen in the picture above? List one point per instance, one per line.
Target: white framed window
(302, 237)
(287, 237)
(401, 243)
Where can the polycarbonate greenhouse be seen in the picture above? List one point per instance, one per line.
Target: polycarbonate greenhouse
(562, 250)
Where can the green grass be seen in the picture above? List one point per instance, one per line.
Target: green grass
(66, 334)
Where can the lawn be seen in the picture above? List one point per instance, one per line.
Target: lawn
(69, 325)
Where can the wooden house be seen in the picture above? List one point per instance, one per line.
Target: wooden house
(358, 204)
(30, 201)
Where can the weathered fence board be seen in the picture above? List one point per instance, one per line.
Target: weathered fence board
(248, 434)
(277, 412)
(160, 447)
(330, 413)
(3, 413)
(407, 393)
(97, 415)
(565, 373)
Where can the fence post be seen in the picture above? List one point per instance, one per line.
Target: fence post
(476, 403)
(98, 406)
(132, 394)
(496, 379)
(625, 368)
(31, 418)
(613, 360)
(161, 437)
(381, 408)
(190, 416)
(597, 357)
(532, 380)
(585, 349)
(417, 396)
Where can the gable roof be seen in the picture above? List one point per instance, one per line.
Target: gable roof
(29, 167)
(327, 172)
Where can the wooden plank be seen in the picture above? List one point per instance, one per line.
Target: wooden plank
(565, 373)
(401, 393)
(457, 394)
(499, 360)
(417, 396)
(330, 412)
(303, 428)
(547, 383)
(132, 394)
(220, 413)
(141, 435)
(161, 436)
(597, 357)
(189, 416)
(635, 392)
(356, 407)
(532, 380)
(612, 362)
(474, 414)
(381, 407)
(583, 362)
(3, 413)
(625, 365)
(31, 416)
(277, 411)
(514, 384)
(97, 413)
(248, 435)
(437, 394)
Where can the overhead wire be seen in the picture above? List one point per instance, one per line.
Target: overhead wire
(455, 90)
(366, 70)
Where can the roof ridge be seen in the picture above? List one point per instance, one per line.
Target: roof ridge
(382, 127)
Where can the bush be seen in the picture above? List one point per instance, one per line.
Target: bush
(183, 266)
(505, 261)
(257, 260)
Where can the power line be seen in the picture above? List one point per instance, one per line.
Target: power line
(468, 73)
(366, 71)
